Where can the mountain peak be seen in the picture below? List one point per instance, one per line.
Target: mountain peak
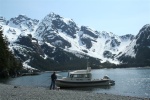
(145, 31)
(137, 53)
(23, 22)
(21, 16)
(2, 20)
(53, 15)
(147, 25)
(127, 36)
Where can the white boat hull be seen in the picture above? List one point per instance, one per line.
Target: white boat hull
(66, 84)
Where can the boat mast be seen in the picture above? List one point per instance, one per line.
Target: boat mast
(87, 64)
(88, 68)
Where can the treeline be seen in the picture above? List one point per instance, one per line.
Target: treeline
(65, 61)
(9, 65)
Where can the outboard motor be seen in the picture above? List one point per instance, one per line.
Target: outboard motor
(106, 77)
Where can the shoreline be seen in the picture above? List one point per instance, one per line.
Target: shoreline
(10, 92)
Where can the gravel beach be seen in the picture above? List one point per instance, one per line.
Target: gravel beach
(10, 92)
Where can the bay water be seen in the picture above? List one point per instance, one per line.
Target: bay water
(128, 81)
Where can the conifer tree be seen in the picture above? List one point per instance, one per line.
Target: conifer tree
(8, 63)
(3, 53)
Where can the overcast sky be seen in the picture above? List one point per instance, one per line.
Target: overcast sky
(118, 16)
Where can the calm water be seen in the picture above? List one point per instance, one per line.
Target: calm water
(129, 81)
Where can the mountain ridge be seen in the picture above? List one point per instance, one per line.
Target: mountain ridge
(138, 52)
(55, 31)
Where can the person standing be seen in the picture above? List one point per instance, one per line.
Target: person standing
(53, 79)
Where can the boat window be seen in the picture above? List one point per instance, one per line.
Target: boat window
(75, 76)
(87, 76)
(80, 76)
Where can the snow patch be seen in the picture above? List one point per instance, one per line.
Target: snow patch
(129, 50)
(67, 20)
(26, 66)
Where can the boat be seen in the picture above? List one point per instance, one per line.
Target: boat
(31, 72)
(82, 78)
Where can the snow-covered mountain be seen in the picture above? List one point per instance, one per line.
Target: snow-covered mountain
(54, 37)
(64, 33)
(138, 51)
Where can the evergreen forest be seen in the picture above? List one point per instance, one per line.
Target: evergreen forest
(9, 65)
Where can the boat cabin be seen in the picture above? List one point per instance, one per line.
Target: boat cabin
(79, 75)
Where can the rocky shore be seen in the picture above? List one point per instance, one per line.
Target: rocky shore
(10, 92)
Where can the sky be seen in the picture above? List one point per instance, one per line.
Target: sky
(117, 16)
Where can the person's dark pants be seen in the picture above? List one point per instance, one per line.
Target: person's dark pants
(52, 85)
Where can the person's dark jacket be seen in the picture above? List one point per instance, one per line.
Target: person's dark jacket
(53, 77)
